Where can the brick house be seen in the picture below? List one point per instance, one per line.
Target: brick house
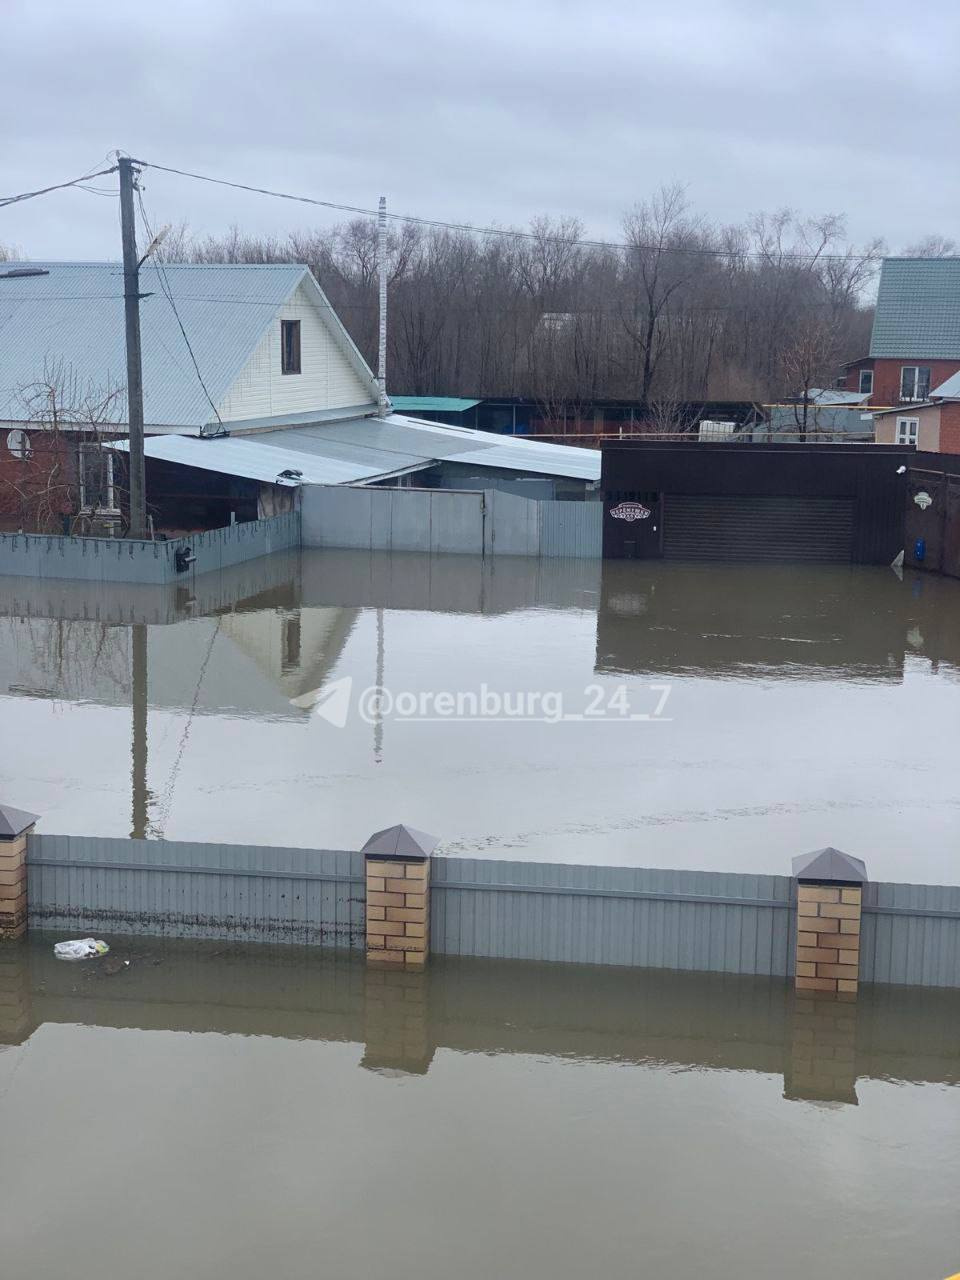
(915, 343)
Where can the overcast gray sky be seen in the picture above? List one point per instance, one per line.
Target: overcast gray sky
(483, 112)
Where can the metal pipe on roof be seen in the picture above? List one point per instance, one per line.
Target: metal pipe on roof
(383, 404)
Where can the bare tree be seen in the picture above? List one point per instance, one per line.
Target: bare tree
(807, 361)
(62, 476)
(932, 246)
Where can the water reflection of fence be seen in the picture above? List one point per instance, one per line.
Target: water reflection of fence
(661, 919)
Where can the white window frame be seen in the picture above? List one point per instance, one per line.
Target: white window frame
(91, 446)
(915, 370)
(908, 429)
(866, 373)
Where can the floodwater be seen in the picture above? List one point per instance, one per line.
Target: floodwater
(214, 1112)
(669, 715)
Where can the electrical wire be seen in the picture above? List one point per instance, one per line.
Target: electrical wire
(514, 233)
(58, 186)
(161, 271)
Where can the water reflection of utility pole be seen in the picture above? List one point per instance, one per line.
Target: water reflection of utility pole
(378, 717)
(138, 776)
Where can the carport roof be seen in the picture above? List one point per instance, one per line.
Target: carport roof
(357, 450)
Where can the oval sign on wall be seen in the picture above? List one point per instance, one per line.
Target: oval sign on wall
(630, 511)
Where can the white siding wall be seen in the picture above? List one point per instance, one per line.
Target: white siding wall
(328, 380)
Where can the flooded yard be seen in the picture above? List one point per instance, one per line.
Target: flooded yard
(219, 1111)
(670, 715)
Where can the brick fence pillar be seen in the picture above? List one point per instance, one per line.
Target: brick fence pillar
(398, 911)
(829, 902)
(15, 826)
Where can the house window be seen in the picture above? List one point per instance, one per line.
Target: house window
(289, 346)
(866, 382)
(96, 478)
(914, 382)
(907, 430)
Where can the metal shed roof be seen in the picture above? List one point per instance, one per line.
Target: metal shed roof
(72, 317)
(255, 460)
(359, 449)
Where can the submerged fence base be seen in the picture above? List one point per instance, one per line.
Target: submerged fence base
(685, 920)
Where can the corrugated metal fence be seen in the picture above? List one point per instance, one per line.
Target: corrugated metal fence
(471, 522)
(42, 555)
(662, 919)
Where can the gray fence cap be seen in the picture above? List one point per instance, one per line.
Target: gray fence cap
(13, 822)
(829, 864)
(401, 842)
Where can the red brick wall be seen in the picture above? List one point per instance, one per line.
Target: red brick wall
(36, 491)
(950, 428)
(886, 377)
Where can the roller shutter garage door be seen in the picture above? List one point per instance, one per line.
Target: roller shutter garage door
(732, 527)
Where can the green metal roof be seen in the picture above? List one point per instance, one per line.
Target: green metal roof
(432, 404)
(918, 309)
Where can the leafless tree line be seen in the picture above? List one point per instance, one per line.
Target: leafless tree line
(681, 309)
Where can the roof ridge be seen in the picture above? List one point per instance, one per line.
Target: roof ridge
(167, 266)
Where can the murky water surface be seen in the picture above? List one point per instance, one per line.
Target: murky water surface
(659, 715)
(210, 1111)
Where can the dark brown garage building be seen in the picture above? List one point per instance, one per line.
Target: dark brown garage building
(840, 503)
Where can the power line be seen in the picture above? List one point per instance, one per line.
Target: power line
(573, 242)
(59, 186)
(168, 293)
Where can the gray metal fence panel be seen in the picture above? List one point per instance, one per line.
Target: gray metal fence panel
(612, 915)
(571, 529)
(191, 890)
(110, 560)
(649, 918)
(512, 525)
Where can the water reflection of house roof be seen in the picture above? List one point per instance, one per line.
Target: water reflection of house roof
(251, 672)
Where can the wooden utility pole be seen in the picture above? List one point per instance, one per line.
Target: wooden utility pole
(131, 307)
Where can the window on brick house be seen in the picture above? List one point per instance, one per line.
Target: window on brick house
(96, 478)
(289, 346)
(866, 382)
(914, 382)
(907, 430)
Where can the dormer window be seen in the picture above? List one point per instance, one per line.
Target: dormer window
(289, 346)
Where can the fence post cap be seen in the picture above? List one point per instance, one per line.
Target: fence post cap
(829, 865)
(400, 842)
(13, 822)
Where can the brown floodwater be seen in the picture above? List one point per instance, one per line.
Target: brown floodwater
(222, 1112)
(651, 714)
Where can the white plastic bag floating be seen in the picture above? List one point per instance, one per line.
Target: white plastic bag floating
(80, 949)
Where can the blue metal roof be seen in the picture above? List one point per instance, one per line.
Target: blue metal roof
(432, 404)
(918, 309)
(71, 318)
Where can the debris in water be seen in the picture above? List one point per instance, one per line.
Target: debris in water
(80, 949)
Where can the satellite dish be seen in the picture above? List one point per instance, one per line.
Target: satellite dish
(18, 442)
